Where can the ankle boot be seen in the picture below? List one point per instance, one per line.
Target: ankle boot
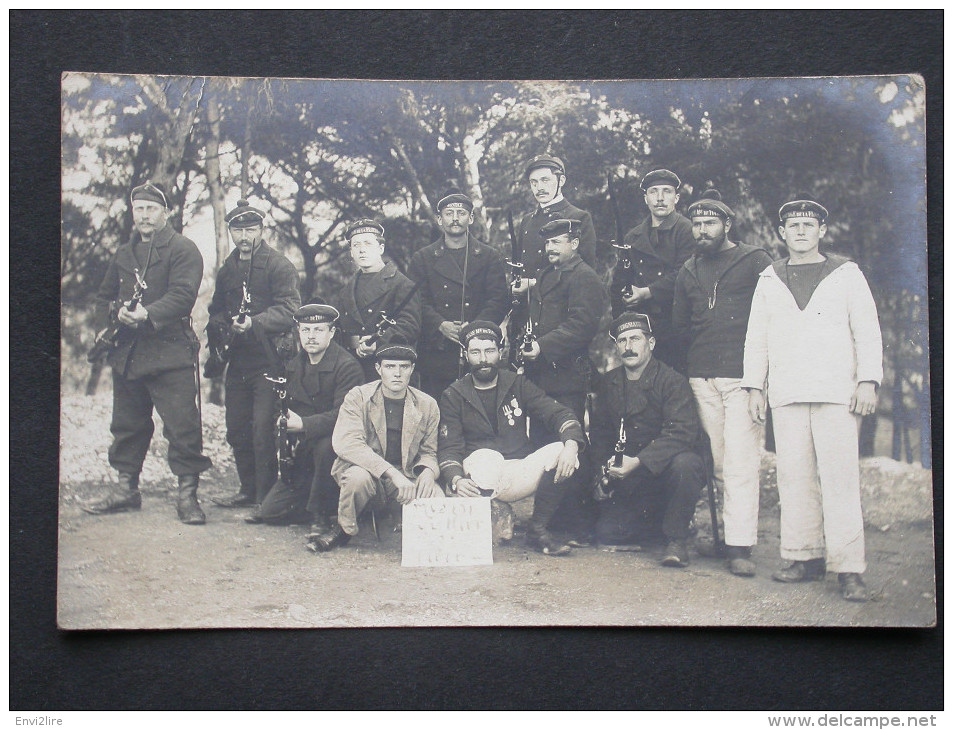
(739, 560)
(120, 499)
(187, 504)
(549, 496)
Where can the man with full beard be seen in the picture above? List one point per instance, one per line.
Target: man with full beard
(483, 448)
(713, 294)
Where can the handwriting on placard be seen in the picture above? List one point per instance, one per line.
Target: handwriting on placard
(447, 532)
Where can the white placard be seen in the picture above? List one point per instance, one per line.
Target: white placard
(447, 532)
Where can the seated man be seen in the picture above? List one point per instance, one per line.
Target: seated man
(645, 410)
(318, 378)
(386, 441)
(483, 446)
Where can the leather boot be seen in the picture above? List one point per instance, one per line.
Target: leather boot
(123, 498)
(852, 587)
(800, 571)
(187, 504)
(676, 554)
(334, 537)
(739, 560)
(549, 496)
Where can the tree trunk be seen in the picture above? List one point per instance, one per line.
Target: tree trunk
(95, 374)
(213, 175)
(401, 155)
(217, 198)
(468, 157)
(173, 132)
(923, 406)
(897, 408)
(868, 435)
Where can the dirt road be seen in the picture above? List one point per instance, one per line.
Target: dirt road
(146, 570)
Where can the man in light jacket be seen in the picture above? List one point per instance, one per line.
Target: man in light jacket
(814, 346)
(386, 441)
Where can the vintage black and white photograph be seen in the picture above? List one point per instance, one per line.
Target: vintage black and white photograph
(494, 353)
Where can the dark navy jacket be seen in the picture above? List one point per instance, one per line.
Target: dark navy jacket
(566, 305)
(713, 315)
(173, 274)
(660, 417)
(465, 426)
(657, 255)
(273, 287)
(534, 247)
(315, 392)
(442, 289)
(391, 288)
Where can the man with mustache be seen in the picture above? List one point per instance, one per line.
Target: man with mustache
(461, 280)
(271, 282)
(483, 448)
(814, 347)
(377, 287)
(546, 176)
(660, 244)
(713, 294)
(318, 378)
(154, 355)
(385, 439)
(654, 491)
(566, 307)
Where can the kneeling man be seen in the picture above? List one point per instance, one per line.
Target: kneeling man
(645, 410)
(386, 441)
(318, 378)
(483, 446)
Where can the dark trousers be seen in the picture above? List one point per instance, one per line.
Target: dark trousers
(251, 410)
(577, 511)
(648, 508)
(172, 394)
(438, 369)
(310, 489)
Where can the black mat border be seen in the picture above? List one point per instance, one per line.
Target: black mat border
(433, 668)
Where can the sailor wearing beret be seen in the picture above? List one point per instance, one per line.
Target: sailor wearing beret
(566, 306)
(483, 447)
(318, 378)
(814, 353)
(385, 439)
(267, 283)
(462, 279)
(546, 176)
(713, 294)
(655, 489)
(154, 357)
(376, 289)
(659, 246)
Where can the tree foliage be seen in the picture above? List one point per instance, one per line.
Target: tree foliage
(317, 155)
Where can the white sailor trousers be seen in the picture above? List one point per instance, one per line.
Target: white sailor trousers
(819, 485)
(511, 479)
(736, 452)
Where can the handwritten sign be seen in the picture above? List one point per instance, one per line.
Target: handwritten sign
(447, 532)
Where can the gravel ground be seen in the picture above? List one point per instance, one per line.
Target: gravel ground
(146, 570)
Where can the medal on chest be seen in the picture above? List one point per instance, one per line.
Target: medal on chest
(508, 414)
(517, 411)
